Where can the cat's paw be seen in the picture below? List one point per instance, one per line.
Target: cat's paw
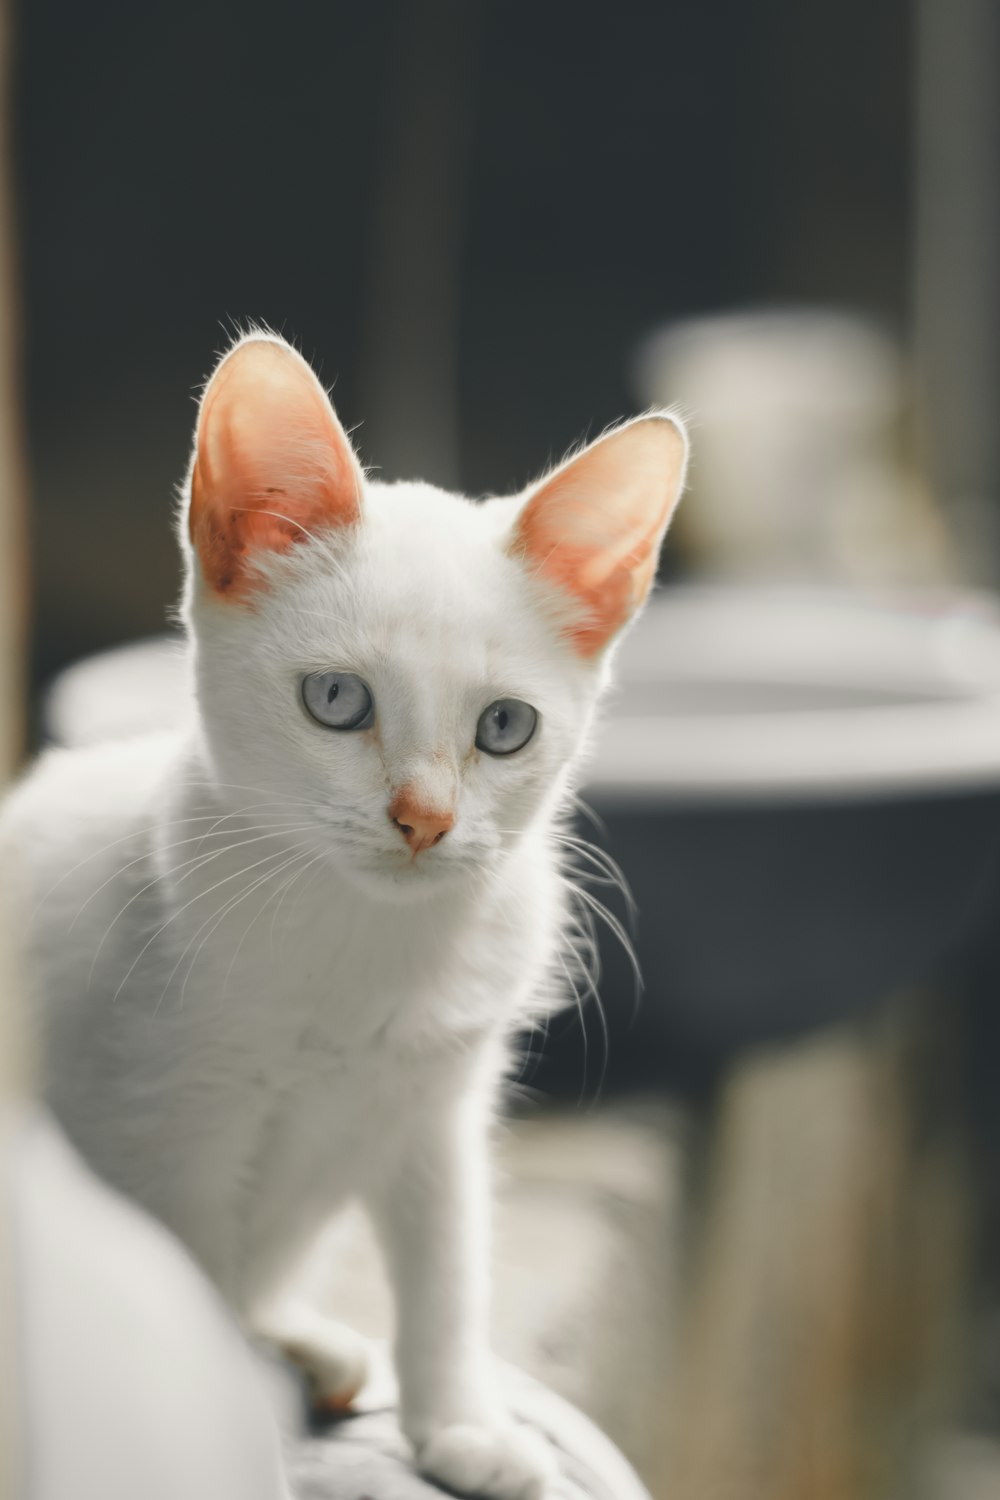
(336, 1366)
(334, 1358)
(501, 1461)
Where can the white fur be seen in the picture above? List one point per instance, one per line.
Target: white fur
(255, 1002)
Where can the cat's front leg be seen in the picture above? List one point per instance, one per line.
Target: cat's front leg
(433, 1216)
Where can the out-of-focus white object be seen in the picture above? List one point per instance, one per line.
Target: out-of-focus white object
(138, 688)
(792, 692)
(133, 1380)
(796, 453)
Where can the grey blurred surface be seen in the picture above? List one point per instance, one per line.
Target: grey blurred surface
(587, 1262)
(364, 1457)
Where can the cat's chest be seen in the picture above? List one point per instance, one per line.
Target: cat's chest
(326, 991)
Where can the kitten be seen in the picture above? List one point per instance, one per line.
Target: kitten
(279, 954)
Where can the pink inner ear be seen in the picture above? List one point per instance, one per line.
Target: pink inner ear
(594, 529)
(272, 466)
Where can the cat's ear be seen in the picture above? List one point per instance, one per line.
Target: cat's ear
(272, 465)
(593, 528)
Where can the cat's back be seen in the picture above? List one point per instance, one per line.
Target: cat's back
(72, 802)
(76, 818)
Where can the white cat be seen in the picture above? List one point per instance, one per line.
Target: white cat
(279, 954)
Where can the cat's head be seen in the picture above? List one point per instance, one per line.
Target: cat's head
(410, 674)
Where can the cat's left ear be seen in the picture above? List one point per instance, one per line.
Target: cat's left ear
(272, 464)
(593, 528)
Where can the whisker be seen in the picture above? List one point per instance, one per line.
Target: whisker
(126, 838)
(217, 918)
(237, 786)
(322, 614)
(190, 867)
(147, 854)
(181, 909)
(583, 865)
(593, 818)
(317, 869)
(226, 817)
(578, 1002)
(285, 889)
(613, 925)
(291, 521)
(260, 912)
(599, 859)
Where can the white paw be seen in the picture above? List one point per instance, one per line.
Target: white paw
(337, 1366)
(334, 1358)
(503, 1462)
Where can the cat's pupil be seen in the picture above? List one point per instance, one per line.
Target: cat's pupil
(502, 719)
(332, 691)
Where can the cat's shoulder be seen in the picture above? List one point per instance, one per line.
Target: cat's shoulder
(89, 783)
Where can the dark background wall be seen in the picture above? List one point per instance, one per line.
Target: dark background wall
(468, 213)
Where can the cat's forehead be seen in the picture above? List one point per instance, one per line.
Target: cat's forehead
(426, 572)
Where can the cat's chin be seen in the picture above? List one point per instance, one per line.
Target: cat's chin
(398, 884)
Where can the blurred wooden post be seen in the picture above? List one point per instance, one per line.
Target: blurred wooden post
(13, 562)
(956, 254)
(13, 565)
(410, 375)
(825, 1278)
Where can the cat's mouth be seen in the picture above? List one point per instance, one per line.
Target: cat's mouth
(391, 870)
(399, 875)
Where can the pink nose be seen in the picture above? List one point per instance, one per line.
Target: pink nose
(421, 827)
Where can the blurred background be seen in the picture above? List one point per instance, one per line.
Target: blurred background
(495, 228)
(472, 216)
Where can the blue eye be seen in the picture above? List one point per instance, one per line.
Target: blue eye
(339, 700)
(507, 725)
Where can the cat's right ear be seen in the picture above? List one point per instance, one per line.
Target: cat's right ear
(272, 464)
